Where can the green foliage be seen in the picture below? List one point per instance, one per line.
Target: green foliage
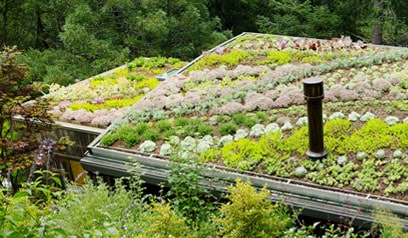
(150, 134)
(278, 57)
(243, 154)
(362, 140)
(204, 129)
(99, 209)
(107, 104)
(130, 135)
(187, 194)
(227, 129)
(387, 224)
(19, 138)
(164, 125)
(250, 214)
(192, 127)
(239, 118)
(164, 222)
(262, 116)
(299, 18)
(109, 138)
(400, 132)
(181, 121)
(150, 63)
(232, 58)
(136, 77)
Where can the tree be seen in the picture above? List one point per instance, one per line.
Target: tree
(19, 138)
(299, 18)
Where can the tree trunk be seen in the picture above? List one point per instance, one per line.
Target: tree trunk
(376, 35)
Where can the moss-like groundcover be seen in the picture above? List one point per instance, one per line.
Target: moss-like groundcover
(241, 106)
(100, 100)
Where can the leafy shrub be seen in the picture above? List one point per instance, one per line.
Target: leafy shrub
(250, 121)
(129, 135)
(150, 134)
(251, 214)
(142, 127)
(204, 129)
(164, 222)
(262, 116)
(169, 133)
(193, 201)
(98, 209)
(239, 118)
(109, 139)
(163, 125)
(181, 121)
(227, 129)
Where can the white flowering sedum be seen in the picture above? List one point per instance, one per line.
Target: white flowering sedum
(147, 146)
(272, 127)
(241, 133)
(257, 130)
(189, 143)
(166, 149)
(287, 126)
(225, 140)
(336, 115)
(367, 116)
(391, 120)
(302, 121)
(353, 116)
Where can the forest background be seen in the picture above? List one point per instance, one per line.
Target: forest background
(64, 41)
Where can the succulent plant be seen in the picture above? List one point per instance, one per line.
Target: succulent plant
(147, 146)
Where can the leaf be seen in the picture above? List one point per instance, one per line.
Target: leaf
(21, 194)
(57, 180)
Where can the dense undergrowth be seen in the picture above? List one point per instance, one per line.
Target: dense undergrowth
(186, 210)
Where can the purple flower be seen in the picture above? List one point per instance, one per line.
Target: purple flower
(98, 100)
(65, 104)
(44, 150)
(82, 101)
